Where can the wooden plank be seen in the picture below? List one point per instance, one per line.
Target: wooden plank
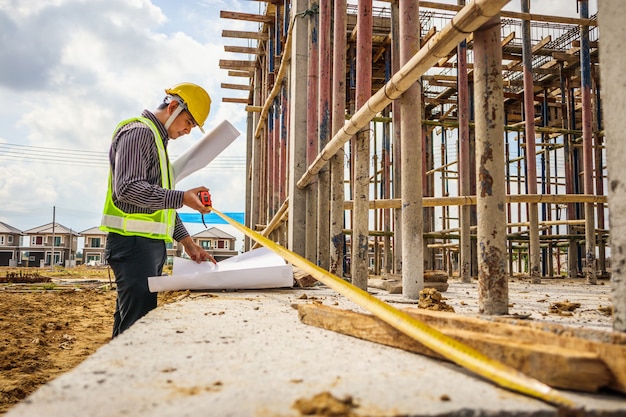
(236, 86)
(242, 34)
(555, 366)
(241, 49)
(249, 17)
(235, 100)
(609, 346)
(254, 109)
(237, 64)
(541, 44)
(235, 73)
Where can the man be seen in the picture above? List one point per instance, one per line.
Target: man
(140, 208)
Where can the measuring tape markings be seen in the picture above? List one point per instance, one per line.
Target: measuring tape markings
(457, 352)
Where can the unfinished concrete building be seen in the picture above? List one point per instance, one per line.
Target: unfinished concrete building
(351, 104)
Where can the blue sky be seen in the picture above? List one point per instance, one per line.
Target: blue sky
(72, 69)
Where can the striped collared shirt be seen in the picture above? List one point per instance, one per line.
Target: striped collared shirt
(136, 173)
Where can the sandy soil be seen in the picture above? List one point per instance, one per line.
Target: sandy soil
(48, 328)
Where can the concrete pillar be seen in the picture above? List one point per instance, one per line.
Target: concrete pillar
(490, 196)
(611, 20)
(337, 247)
(360, 226)
(531, 153)
(298, 79)
(411, 159)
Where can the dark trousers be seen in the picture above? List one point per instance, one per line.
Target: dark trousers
(133, 259)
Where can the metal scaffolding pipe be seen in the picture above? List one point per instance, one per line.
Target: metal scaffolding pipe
(531, 155)
(359, 243)
(490, 199)
(337, 238)
(411, 158)
(465, 261)
(312, 130)
(324, 121)
(470, 18)
(587, 119)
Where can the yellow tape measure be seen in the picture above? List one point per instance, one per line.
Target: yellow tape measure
(457, 352)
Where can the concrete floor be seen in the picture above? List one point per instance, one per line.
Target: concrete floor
(245, 353)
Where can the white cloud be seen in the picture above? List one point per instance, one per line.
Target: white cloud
(76, 69)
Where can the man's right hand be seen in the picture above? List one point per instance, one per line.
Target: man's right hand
(191, 200)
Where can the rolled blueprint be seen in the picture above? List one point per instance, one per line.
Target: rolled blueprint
(205, 150)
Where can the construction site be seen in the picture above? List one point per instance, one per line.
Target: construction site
(416, 154)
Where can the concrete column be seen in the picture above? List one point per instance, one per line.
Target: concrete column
(490, 194)
(587, 119)
(324, 121)
(360, 238)
(298, 79)
(411, 159)
(611, 19)
(337, 247)
(531, 153)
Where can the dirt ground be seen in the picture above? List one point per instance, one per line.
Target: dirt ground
(48, 328)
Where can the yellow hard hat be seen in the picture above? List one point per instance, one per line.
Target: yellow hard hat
(196, 100)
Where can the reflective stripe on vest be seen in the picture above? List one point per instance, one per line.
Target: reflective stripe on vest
(157, 225)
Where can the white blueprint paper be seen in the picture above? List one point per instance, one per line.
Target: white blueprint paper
(201, 153)
(259, 268)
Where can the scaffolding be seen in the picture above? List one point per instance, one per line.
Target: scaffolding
(377, 145)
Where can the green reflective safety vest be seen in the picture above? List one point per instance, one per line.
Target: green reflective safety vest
(157, 225)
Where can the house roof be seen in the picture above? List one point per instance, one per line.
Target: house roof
(47, 229)
(5, 228)
(215, 233)
(93, 231)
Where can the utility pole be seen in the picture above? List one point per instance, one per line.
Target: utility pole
(53, 222)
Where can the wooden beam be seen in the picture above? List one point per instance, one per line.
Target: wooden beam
(249, 17)
(553, 365)
(233, 73)
(241, 49)
(236, 86)
(235, 100)
(241, 34)
(541, 44)
(254, 109)
(237, 65)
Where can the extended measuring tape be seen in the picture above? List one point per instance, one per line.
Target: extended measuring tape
(457, 352)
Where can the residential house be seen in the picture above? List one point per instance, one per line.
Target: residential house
(218, 243)
(173, 249)
(93, 247)
(10, 242)
(49, 238)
